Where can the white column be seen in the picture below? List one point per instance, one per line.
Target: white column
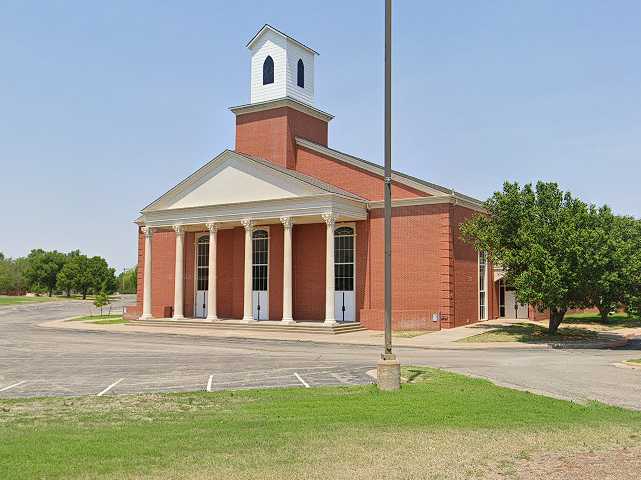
(248, 312)
(146, 288)
(330, 220)
(287, 269)
(179, 273)
(211, 281)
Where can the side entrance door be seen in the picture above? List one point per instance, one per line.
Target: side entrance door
(344, 275)
(260, 271)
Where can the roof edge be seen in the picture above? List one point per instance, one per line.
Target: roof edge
(292, 39)
(279, 103)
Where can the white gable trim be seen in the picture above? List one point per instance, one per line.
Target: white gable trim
(344, 208)
(256, 168)
(267, 27)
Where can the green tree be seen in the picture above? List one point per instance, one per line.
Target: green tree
(101, 300)
(127, 281)
(611, 260)
(534, 234)
(66, 278)
(43, 267)
(103, 277)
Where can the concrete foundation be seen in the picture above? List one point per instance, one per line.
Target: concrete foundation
(388, 374)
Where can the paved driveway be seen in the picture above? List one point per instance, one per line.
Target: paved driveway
(43, 361)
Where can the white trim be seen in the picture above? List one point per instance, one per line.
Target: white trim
(269, 233)
(454, 199)
(197, 237)
(266, 27)
(353, 226)
(259, 210)
(486, 309)
(279, 103)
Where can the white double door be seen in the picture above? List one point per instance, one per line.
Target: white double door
(344, 306)
(201, 303)
(514, 309)
(260, 303)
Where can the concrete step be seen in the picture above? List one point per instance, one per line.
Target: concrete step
(307, 327)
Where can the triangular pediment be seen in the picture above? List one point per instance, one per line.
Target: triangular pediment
(233, 178)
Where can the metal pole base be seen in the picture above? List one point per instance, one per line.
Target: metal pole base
(388, 372)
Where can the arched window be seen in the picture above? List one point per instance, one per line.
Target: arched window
(260, 255)
(268, 70)
(344, 259)
(202, 279)
(301, 74)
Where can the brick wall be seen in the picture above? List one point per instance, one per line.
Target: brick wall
(353, 179)
(416, 292)
(271, 134)
(308, 262)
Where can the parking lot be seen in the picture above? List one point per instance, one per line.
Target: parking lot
(37, 361)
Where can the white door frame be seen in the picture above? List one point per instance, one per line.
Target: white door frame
(197, 238)
(352, 225)
(255, 293)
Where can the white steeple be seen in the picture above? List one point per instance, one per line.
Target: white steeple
(280, 67)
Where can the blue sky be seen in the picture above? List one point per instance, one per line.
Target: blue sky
(106, 105)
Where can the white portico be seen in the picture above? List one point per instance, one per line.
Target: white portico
(232, 191)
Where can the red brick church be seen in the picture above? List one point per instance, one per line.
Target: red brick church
(284, 228)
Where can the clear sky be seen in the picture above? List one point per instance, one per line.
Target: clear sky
(106, 105)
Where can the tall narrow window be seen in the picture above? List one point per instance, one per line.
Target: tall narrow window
(203, 264)
(482, 286)
(260, 260)
(268, 71)
(344, 259)
(301, 74)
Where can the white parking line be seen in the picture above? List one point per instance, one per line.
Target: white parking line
(301, 380)
(211, 377)
(109, 387)
(11, 386)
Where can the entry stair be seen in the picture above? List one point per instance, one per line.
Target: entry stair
(259, 326)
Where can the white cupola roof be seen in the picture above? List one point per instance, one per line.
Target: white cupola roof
(280, 67)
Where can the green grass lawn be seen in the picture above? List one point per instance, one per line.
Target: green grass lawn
(615, 320)
(531, 333)
(439, 426)
(101, 319)
(17, 300)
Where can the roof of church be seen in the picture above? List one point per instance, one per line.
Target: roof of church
(269, 27)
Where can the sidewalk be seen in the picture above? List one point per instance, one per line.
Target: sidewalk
(439, 340)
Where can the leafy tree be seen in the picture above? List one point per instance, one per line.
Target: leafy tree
(534, 234)
(103, 277)
(612, 260)
(127, 281)
(43, 267)
(7, 282)
(66, 278)
(101, 300)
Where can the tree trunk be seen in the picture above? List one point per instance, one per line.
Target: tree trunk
(50, 292)
(68, 293)
(84, 294)
(556, 317)
(604, 311)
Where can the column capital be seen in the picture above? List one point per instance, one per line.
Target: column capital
(179, 229)
(212, 227)
(330, 218)
(148, 231)
(248, 223)
(287, 222)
